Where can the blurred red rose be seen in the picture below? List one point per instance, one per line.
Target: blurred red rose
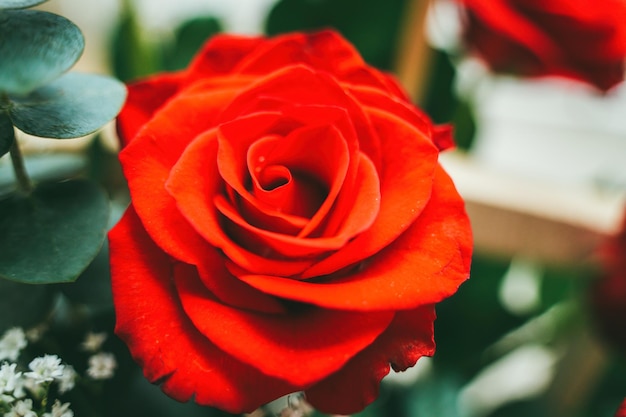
(290, 226)
(608, 293)
(621, 411)
(583, 40)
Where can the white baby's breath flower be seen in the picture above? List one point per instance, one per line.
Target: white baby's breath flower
(6, 399)
(67, 380)
(12, 342)
(21, 408)
(8, 377)
(59, 410)
(93, 341)
(21, 384)
(45, 369)
(101, 366)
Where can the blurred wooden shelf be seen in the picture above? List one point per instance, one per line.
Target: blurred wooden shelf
(545, 221)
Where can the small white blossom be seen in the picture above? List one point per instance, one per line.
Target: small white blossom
(101, 366)
(21, 408)
(21, 384)
(12, 342)
(59, 410)
(45, 369)
(67, 380)
(8, 378)
(6, 399)
(93, 341)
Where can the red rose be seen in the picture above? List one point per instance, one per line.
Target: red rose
(621, 411)
(290, 226)
(583, 40)
(608, 292)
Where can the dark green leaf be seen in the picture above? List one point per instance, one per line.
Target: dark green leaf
(531, 407)
(443, 104)
(138, 397)
(440, 99)
(52, 235)
(132, 55)
(19, 4)
(43, 167)
(435, 395)
(7, 133)
(93, 288)
(372, 26)
(71, 106)
(461, 347)
(188, 39)
(23, 305)
(36, 48)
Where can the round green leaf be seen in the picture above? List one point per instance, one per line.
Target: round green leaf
(7, 133)
(43, 167)
(52, 235)
(36, 48)
(74, 105)
(93, 288)
(19, 4)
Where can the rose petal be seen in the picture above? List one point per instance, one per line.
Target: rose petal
(505, 22)
(144, 99)
(441, 135)
(232, 291)
(326, 50)
(408, 338)
(305, 86)
(161, 338)
(338, 118)
(240, 135)
(371, 77)
(299, 347)
(379, 100)
(358, 204)
(410, 159)
(316, 159)
(193, 195)
(149, 158)
(423, 266)
(364, 198)
(221, 54)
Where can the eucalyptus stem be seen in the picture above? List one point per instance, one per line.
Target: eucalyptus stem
(23, 181)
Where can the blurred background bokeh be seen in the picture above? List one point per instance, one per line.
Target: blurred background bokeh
(541, 163)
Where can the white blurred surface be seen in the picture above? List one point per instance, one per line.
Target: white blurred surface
(552, 130)
(522, 374)
(158, 17)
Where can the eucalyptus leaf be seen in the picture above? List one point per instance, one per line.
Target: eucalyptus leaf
(72, 106)
(36, 48)
(19, 4)
(7, 133)
(43, 167)
(52, 235)
(93, 288)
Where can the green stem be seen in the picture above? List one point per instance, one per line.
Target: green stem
(23, 181)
